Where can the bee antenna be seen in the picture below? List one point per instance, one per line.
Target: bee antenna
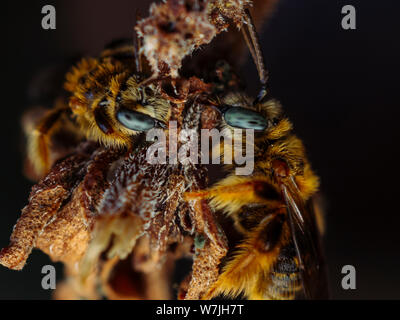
(261, 95)
(253, 42)
(137, 42)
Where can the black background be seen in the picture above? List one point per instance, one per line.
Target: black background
(339, 87)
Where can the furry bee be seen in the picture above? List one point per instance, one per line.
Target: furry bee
(107, 103)
(280, 256)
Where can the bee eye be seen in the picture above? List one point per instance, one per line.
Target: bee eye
(245, 119)
(135, 120)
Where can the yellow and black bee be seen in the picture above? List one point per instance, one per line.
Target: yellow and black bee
(280, 256)
(106, 103)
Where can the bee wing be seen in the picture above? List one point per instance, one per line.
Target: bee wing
(306, 241)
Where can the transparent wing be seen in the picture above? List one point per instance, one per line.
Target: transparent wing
(306, 242)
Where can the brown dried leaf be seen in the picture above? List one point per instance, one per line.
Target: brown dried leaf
(46, 198)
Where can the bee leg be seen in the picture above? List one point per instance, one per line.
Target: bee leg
(233, 192)
(254, 259)
(241, 188)
(39, 140)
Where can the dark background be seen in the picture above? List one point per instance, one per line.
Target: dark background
(339, 87)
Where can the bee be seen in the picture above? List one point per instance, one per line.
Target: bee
(133, 209)
(108, 102)
(280, 256)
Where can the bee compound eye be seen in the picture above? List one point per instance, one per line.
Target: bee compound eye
(245, 119)
(134, 120)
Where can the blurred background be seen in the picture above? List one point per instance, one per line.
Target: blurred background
(339, 87)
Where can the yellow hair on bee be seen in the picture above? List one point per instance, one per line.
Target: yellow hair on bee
(39, 136)
(232, 193)
(39, 153)
(115, 139)
(308, 183)
(92, 76)
(282, 129)
(291, 150)
(77, 72)
(242, 273)
(115, 84)
(272, 110)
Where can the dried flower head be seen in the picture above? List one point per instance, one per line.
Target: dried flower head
(176, 28)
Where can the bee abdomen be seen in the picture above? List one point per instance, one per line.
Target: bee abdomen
(120, 49)
(285, 278)
(284, 286)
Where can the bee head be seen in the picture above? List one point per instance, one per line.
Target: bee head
(139, 109)
(115, 113)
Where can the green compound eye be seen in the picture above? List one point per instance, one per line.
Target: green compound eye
(245, 119)
(134, 120)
